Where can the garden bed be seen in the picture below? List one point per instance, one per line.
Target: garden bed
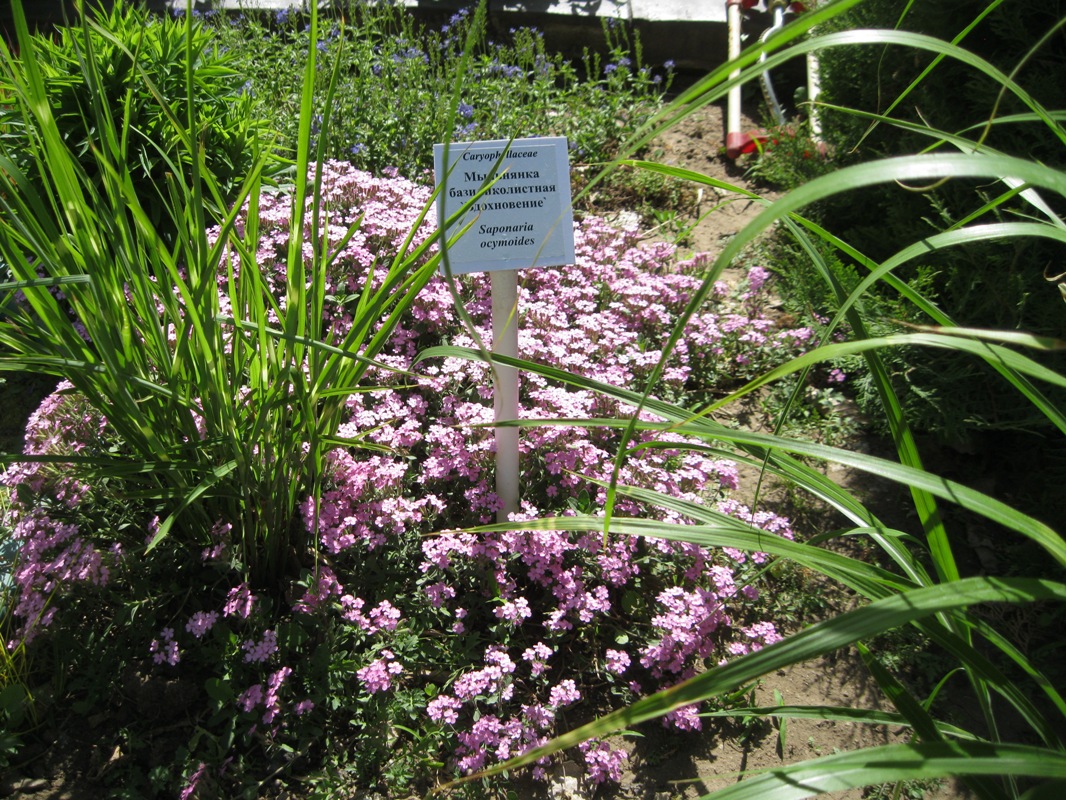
(258, 547)
(87, 754)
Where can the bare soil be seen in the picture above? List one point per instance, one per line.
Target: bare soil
(662, 764)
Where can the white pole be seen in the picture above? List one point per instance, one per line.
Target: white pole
(505, 397)
(733, 138)
(814, 86)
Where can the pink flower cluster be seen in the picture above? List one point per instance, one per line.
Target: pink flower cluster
(383, 617)
(164, 650)
(64, 424)
(377, 676)
(269, 697)
(201, 622)
(258, 652)
(523, 598)
(603, 762)
(52, 559)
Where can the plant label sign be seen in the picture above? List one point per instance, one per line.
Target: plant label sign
(524, 219)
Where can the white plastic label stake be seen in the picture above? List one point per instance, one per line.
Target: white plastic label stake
(505, 394)
(524, 220)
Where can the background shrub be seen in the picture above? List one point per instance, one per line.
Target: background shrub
(141, 90)
(958, 404)
(389, 61)
(986, 286)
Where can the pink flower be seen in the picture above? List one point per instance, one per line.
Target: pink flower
(385, 617)
(602, 762)
(537, 656)
(564, 693)
(514, 611)
(377, 675)
(617, 661)
(271, 701)
(439, 592)
(193, 781)
(165, 651)
(443, 708)
(459, 627)
(258, 652)
(325, 586)
(239, 602)
(685, 718)
(251, 697)
(201, 622)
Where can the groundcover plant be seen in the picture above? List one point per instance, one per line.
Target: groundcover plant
(490, 635)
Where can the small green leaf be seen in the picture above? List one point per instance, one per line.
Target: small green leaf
(218, 690)
(12, 703)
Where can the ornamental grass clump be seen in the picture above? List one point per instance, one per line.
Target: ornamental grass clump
(224, 403)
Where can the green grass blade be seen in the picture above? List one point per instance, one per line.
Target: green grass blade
(871, 766)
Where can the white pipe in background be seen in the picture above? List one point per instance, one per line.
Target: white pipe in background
(734, 139)
(778, 9)
(814, 87)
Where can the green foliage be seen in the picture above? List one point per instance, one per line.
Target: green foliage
(130, 284)
(387, 61)
(788, 157)
(124, 71)
(988, 286)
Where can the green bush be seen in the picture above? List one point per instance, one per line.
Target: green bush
(984, 285)
(140, 91)
(389, 61)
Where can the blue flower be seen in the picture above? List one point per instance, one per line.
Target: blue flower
(466, 111)
(507, 71)
(669, 65)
